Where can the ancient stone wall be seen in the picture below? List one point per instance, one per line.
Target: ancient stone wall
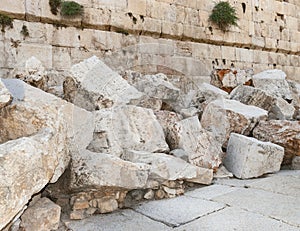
(169, 36)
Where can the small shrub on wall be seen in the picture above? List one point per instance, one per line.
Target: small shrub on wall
(224, 15)
(66, 8)
(71, 8)
(5, 21)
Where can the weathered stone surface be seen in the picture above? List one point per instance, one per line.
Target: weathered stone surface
(201, 147)
(33, 73)
(282, 132)
(38, 130)
(296, 163)
(5, 96)
(287, 207)
(277, 107)
(247, 157)
(93, 85)
(223, 117)
(286, 185)
(167, 211)
(158, 86)
(228, 79)
(208, 93)
(96, 170)
(124, 220)
(233, 218)
(43, 215)
(274, 83)
(167, 120)
(127, 127)
(169, 168)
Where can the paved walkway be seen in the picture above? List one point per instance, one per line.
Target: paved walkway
(269, 203)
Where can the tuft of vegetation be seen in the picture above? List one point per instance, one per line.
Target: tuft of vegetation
(54, 6)
(24, 31)
(5, 21)
(224, 15)
(71, 8)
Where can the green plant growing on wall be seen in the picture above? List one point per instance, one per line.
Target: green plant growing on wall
(54, 6)
(224, 15)
(71, 8)
(5, 21)
(24, 31)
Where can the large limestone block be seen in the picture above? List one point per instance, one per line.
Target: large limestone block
(274, 83)
(127, 127)
(43, 215)
(201, 147)
(27, 165)
(5, 96)
(282, 132)
(248, 157)
(222, 117)
(158, 86)
(38, 133)
(93, 85)
(96, 170)
(210, 92)
(277, 107)
(169, 168)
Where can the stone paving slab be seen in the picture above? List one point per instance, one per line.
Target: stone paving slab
(282, 207)
(210, 192)
(179, 210)
(232, 218)
(234, 182)
(287, 185)
(124, 220)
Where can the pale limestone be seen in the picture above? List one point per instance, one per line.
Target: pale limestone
(222, 117)
(96, 170)
(201, 147)
(94, 86)
(276, 106)
(287, 208)
(127, 127)
(247, 157)
(167, 211)
(43, 215)
(169, 168)
(233, 218)
(273, 82)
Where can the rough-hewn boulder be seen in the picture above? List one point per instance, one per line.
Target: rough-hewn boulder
(228, 79)
(44, 215)
(127, 127)
(201, 147)
(222, 117)
(247, 157)
(93, 85)
(38, 130)
(96, 170)
(274, 83)
(158, 86)
(277, 107)
(169, 168)
(282, 132)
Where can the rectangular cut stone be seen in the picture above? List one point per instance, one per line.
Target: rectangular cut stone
(233, 218)
(210, 192)
(123, 220)
(248, 157)
(168, 212)
(277, 206)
